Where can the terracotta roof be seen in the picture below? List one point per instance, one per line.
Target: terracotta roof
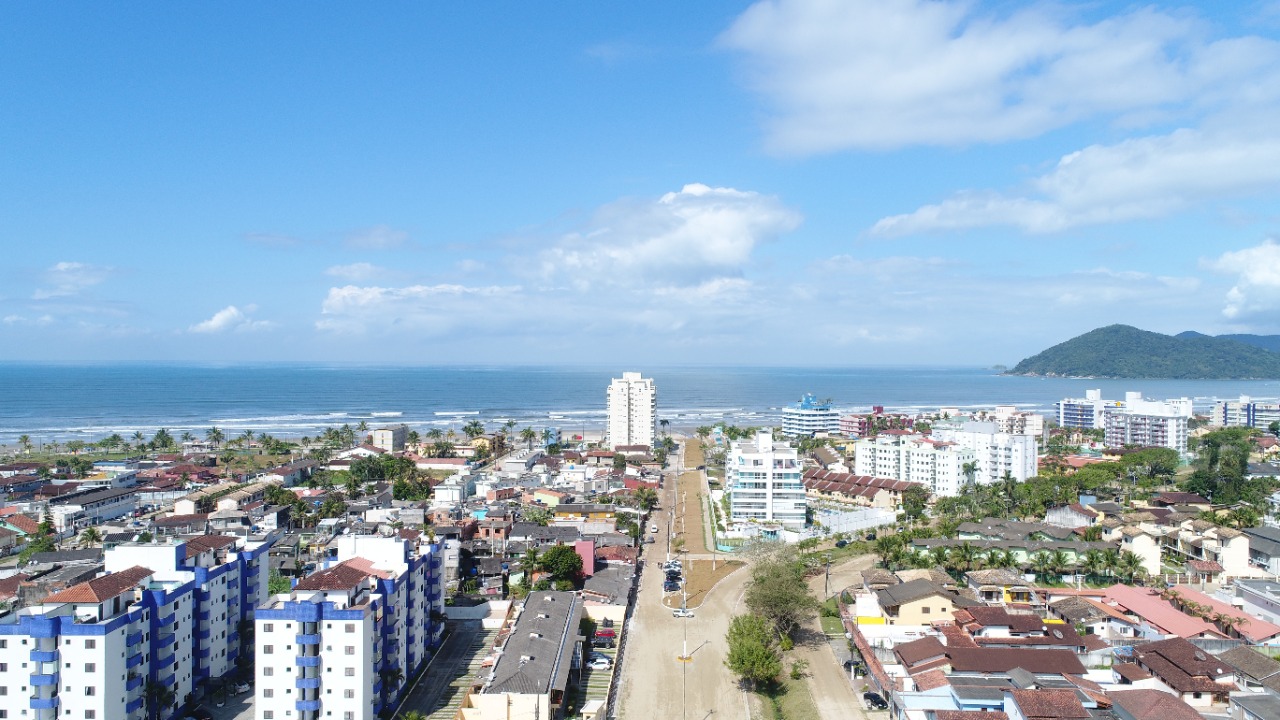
(1183, 666)
(1147, 605)
(24, 523)
(9, 585)
(1131, 672)
(205, 543)
(1255, 630)
(1034, 660)
(1153, 705)
(969, 715)
(102, 588)
(918, 651)
(1049, 703)
(342, 576)
(931, 680)
(181, 520)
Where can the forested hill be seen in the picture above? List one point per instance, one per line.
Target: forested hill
(1266, 342)
(1122, 351)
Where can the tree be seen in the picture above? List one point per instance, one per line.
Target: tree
(146, 537)
(278, 584)
(1274, 428)
(562, 562)
(646, 498)
(25, 442)
(619, 462)
(528, 435)
(777, 590)
(1042, 564)
(473, 429)
(752, 655)
(90, 537)
(914, 500)
(214, 436)
(157, 698)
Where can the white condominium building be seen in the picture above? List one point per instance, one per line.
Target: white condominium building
(162, 614)
(1245, 413)
(1148, 423)
(1009, 419)
(764, 483)
(389, 439)
(632, 408)
(903, 455)
(995, 453)
(810, 417)
(1085, 413)
(345, 641)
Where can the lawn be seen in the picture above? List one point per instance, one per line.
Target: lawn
(832, 626)
(699, 579)
(790, 701)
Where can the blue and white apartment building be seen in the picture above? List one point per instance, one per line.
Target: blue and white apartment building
(162, 614)
(346, 640)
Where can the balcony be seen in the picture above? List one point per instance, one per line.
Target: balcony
(203, 634)
(133, 705)
(44, 679)
(307, 705)
(308, 639)
(306, 683)
(167, 620)
(165, 640)
(133, 638)
(133, 683)
(42, 703)
(44, 656)
(164, 662)
(134, 661)
(307, 661)
(203, 616)
(204, 653)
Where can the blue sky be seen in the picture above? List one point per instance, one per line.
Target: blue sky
(787, 182)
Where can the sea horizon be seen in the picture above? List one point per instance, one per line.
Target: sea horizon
(83, 401)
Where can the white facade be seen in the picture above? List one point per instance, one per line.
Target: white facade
(996, 453)
(1244, 413)
(344, 643)
(1086, 412)
(1148, 423)
(390, 439)
(810, 417)
(764, 483)
(632, 407)
(1009, 419)
(899, 455)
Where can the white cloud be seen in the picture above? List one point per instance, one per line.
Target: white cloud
(354, 271)
(435, 309)
(70, 278)
(1135, 179)
(1257, 286)
(231, 318)
(23, 320)
(843, 74)
(378, 237)
(683, 238)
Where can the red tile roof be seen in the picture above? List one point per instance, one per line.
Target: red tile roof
(206, 543)
(1147, 605)
(1184, 667)
(102, 588)
(24, 523)
(1049, 703)
(1033, 660)
(1255, 630)
(1153, 705)
(969, 715)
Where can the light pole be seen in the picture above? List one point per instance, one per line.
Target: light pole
(826, 583)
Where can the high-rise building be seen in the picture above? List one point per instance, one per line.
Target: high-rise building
(390, 439)
(347, 639)
(1085, 413)
(1245, 413)
(162, 615)
(764, 483)
(632, 408)
(904, 455)
(810, 417)
(1148, 423)
(995, 453)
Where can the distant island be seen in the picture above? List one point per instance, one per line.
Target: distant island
(1122, 351)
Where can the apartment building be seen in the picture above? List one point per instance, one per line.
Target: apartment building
(390, 439)
(1244, 413)
(1009, 419)
(996, 453)
(903, 455)
(166, 614)
(82, 508)
(810, 417)
(1148, 423)
(764, 483)
(345, 640)
(632, 408)
(1085, 413)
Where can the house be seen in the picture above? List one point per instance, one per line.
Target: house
(1148, 704)
(1264, 548)
(1261, 706)
(1202, 540)
(1228, 618)
(1170, 499)
(918, 602)
(1157, 618)
(1254, 671)
(1045, 704)
(1260, 598)
(1001, 586)
(550, 498)
(1200, 679)
(1071, 516)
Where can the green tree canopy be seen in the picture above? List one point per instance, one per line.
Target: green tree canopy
(562, 562)
(752, 655)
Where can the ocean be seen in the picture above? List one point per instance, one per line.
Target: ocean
(63, 402)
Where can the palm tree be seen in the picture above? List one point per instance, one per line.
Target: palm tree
(1130, 566)
(25, 442)
(157, 698)
(970, 470)
(214, 436)
(473, 429)
(1042, 563)
(528, 435)
(1095, 562)
(664, 423)
(413, 438)
(90, 537)
(1061, 564)
(963, 557)
(188, 437)
(139, 439)
(363, 427)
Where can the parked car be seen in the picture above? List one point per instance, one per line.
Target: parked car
(242, 688)
(602, 642)
(600, 663)
(681, 613)
(653, 528)
(670, 586)
(605, 632)
(649, 540)
(841, 543)
(874, 700)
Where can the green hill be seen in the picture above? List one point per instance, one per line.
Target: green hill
(1266, 342)
(1121, 351)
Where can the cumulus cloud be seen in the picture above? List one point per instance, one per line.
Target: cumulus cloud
(231, 318)
(378, 237)
(1141, 178)
(66, 279)
(684, 237)
(427, 308)
(844, 74)
(354, 271)
(1257, 286)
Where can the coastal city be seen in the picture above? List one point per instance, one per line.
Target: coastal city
(1117, 559)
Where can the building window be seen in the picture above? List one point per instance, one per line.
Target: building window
(90, 714)
(925, 609)
(90, 690)
(90, 644)
(351, 649)
(350, 672)
(351, 627)
(348, 693)
(268, 671)
(268, 714)
(90, 667)
(267, 627)
(268, 692)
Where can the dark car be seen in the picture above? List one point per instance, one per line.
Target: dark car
(874, 700)
(670, 586)
(602, 642)
(841, 543)
(201, 712)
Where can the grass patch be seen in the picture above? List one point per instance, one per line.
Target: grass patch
(789, 700)
(832, 626)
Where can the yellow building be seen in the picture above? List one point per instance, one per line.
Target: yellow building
(919, 602)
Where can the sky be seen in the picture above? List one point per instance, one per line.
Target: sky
(785, 182)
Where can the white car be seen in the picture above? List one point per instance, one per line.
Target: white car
(242, 688)
(653, 528)
(602, 663)
(681, 613)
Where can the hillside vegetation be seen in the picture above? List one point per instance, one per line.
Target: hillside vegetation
(1122, 351)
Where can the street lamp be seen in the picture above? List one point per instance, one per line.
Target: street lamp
(826, 583)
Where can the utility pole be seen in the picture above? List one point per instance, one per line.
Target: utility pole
(826, 583)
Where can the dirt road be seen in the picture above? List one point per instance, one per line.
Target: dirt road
(828, 681)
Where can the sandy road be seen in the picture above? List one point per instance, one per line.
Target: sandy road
(828, 681)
